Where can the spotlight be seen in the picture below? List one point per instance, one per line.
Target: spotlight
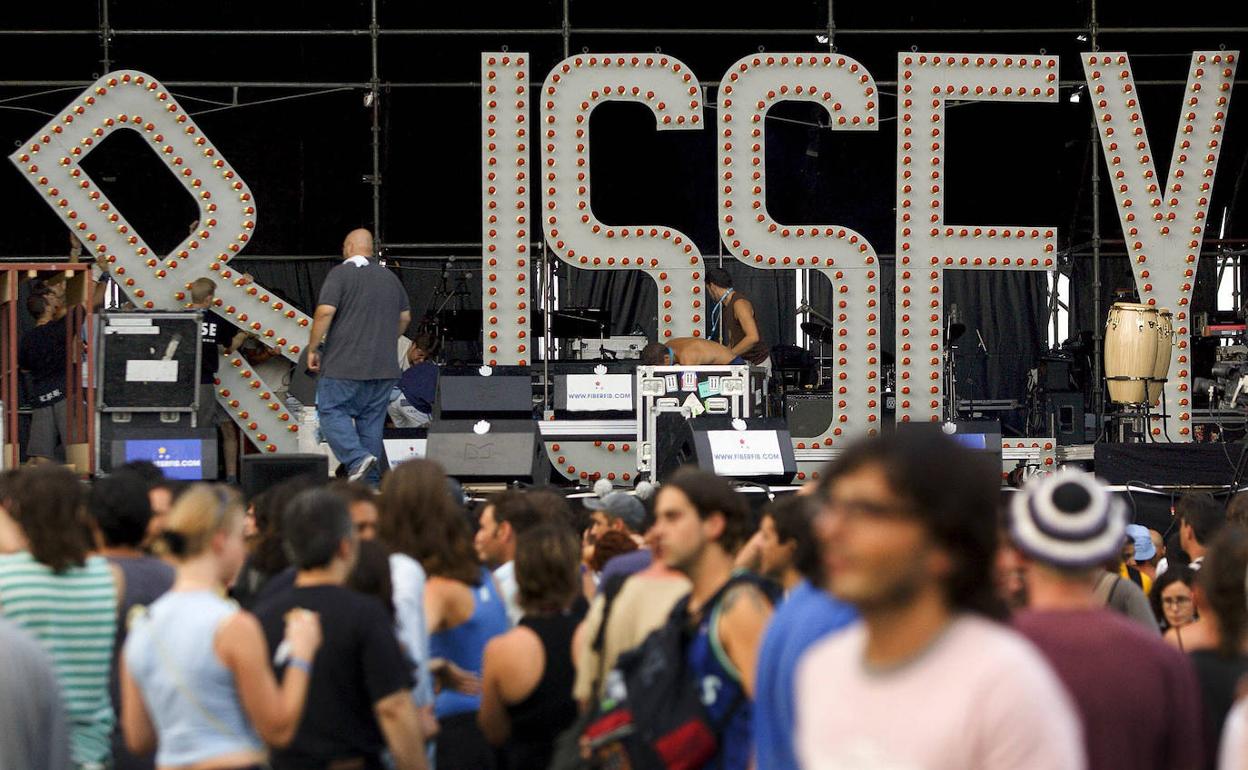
(1076, 95)
(1081, 38)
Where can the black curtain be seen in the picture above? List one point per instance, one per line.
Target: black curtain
(427, 282)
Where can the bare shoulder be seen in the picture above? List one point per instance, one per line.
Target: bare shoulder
(240, 631)
(514, 647)
(745, 599)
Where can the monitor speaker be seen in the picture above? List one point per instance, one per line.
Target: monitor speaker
(260, 472)
(511, 450)
(762, 452)
(463, 393)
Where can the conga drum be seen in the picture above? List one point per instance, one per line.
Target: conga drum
(1130, 351)
(1161, 364)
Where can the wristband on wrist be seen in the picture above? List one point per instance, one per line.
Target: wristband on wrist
(303, 665)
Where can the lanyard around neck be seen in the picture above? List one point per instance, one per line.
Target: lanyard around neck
(717, 312)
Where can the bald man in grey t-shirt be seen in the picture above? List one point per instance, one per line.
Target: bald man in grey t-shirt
(361, 311)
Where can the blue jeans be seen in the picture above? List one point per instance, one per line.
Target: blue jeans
(352, 414)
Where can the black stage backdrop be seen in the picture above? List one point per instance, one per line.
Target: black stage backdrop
(308, 158)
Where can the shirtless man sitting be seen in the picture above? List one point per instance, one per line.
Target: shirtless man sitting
(688, 351)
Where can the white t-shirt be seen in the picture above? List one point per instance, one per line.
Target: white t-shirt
(980, 698)
(1234, 751)
(407, 579)
(505, 579)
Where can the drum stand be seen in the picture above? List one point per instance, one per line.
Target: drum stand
(1130, 423)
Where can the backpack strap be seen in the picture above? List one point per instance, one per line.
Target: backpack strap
(610, 590)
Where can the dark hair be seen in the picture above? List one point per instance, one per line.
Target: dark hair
(353, 492)
(175, 487)
(953, 494)
(419, 518)
(426, 342)
(1203, 514)
(711, 494)
(314, 524)
(47, 503)
(1221, 578)
(146, 470)
(371, 574)
(609, 545)
(1237, 509)
(1174, 550)
(37, 304)
(121, 508)
(268, 556)
(548, 558)
(794, 517)
(719, 276)
(525, 509)
(1177, 573)
(653, 354)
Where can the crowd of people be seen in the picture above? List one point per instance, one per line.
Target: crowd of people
(899, 612)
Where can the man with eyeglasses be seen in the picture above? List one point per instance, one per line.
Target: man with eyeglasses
(929, 677)
(1125, 681)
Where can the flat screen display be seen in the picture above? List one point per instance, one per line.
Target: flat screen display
(179, 458)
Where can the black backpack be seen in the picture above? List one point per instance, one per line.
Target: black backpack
(651, 715)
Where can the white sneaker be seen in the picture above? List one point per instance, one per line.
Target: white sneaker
(363, 468)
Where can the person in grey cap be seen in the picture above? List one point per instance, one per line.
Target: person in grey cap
(622, 512)
(619, 511)
(1124, 680)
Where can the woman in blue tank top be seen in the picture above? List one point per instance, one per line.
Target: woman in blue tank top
(196, 683)
(463, 609)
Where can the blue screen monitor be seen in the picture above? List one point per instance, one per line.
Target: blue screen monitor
(177, 458)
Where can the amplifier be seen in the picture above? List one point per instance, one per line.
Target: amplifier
(809, 414)
(611, 348)
(1065, 417)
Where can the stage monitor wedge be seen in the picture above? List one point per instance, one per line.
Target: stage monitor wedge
(509, 451)
(762, 452)
(260, 472)
(464, 393)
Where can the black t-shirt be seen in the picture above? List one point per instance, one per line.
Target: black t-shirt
(213, 331)
(359, 663)
(1218, 677)
(43, 354)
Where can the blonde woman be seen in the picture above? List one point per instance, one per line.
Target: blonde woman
(197, 685)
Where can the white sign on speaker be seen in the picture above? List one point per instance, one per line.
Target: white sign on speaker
(746, 452)
(600, 392)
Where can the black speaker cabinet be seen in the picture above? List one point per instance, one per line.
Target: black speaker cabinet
(260, 472)
(463, 393)
(809, 414)
(510, 451)
(1065, 417)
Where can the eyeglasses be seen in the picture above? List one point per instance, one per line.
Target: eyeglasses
(1177, 601)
